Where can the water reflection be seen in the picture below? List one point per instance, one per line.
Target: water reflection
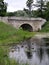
(40, 53)
(28, 49)
(47, 50)
(31, 52)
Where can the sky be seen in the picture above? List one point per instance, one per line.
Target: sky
(14, 5)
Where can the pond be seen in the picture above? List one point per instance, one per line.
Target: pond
(33, 51)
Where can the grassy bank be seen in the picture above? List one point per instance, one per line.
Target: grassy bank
(45, 27)
(8, 34)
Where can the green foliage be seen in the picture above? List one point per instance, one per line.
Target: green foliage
(3, 8)
(28, 12)
(17, 13)
(20, 13)
(46, 13)
(43, 9)
(29, 5)
(3, 56)
(45, 27)
(10, 14)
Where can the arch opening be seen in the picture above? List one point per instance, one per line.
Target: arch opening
(26, 27)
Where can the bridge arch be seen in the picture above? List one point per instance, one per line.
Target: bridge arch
(26, 26)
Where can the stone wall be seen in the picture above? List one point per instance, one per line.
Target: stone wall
(4, 19)
(36, 23)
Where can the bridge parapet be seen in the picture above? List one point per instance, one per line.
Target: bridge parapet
(35, 23)
(26, 18)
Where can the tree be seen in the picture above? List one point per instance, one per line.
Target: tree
(41, 7)
(3, 8)
(47, 5)
(41, 4)
(10, 14)
(21, 13)
(27, 11)
(29, 5)
(42, 11)
(47, 11)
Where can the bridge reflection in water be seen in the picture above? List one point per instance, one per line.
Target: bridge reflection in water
(31, 52)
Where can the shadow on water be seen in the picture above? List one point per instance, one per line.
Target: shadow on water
(47, 45)
(47, 50)
(29, 54)
(40, 54)
(33, 51)
(28, 50)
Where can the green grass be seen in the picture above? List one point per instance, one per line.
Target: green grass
(8, 34)
(45, 27)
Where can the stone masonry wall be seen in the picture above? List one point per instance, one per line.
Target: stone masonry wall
(36, 23)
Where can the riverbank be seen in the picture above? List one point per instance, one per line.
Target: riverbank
(42, 35)
(45, 27)
(9, 35)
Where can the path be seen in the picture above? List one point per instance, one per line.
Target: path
(42, 35)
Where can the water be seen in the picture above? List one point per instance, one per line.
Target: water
(32, 51)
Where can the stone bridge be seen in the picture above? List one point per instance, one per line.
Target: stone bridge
(30, 24)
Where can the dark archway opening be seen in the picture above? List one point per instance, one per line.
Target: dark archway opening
(27, 27)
